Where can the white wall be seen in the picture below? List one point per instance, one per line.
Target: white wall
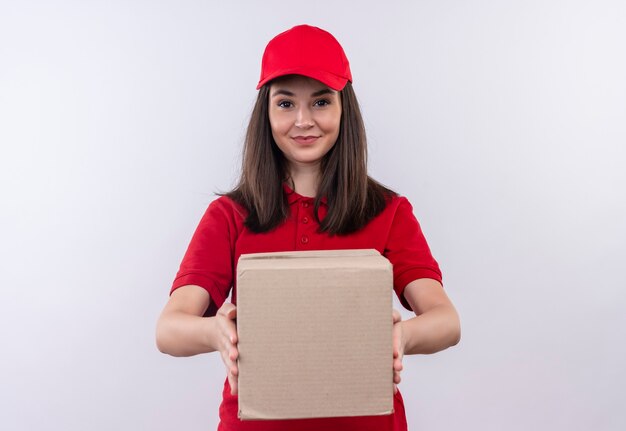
(503, 122)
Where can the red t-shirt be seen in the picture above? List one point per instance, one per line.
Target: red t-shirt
(221, 237)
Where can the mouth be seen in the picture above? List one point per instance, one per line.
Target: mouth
(304, 140)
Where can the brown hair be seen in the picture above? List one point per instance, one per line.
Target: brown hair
(353, 197)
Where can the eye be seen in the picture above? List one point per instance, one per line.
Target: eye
(285, 104)
(322, 102)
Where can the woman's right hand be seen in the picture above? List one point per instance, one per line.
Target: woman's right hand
(227, 342)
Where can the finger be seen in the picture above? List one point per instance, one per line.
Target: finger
(232, 337)
(233, 353)
(232, 373)
(229, 330)
(229, 357)
(395, 389)
(396, 348)
(226, 359)
(234, 385)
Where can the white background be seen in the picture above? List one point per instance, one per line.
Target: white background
(502, 121)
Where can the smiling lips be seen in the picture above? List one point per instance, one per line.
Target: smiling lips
(305, 140)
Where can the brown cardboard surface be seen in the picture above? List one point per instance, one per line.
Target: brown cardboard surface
(314, 334)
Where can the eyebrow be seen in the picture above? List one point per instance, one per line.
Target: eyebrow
(282, 91)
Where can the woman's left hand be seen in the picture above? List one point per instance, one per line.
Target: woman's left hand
(398, 348)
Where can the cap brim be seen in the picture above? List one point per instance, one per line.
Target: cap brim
(330, 80)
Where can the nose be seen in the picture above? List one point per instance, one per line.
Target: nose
(304, 119)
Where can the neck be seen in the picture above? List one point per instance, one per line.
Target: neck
(305, 180)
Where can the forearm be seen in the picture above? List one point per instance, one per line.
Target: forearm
(433, 331)
(182, 334)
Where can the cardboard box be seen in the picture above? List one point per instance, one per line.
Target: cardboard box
(314, 334)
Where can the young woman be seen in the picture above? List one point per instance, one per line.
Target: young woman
(304, 186)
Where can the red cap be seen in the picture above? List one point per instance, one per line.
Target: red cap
(309, 51)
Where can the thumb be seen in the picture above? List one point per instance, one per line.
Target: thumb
(397, 317)
(228, 310)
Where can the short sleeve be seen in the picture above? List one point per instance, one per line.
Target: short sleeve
(408, 251)
(208, 261)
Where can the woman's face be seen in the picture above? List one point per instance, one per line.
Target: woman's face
(305, 116)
